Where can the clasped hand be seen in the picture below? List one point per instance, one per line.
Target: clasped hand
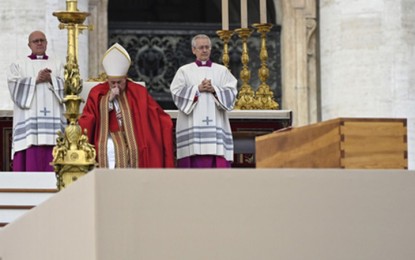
(44, 76)
(206, 86)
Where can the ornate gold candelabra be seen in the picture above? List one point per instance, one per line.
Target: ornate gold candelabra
(73, 156)
(264, 97)
(225, 36)
(246, 95)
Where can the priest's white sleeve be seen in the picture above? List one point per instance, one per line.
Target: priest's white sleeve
(226, 90)
(183, 95)
(22, 89)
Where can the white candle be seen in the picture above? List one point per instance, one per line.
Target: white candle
(225, 15)
(244, 14)
(263, 11)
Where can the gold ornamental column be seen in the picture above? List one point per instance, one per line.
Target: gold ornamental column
(225, 36)
(264, 97)
(246, 95)
(73, 155)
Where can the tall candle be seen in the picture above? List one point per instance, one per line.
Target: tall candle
(244, 14)
(263, 11)
(225, 15)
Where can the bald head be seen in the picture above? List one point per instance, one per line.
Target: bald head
(37, 42)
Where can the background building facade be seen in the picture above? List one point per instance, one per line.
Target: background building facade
(330, 58)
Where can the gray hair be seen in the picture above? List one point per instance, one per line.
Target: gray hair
(200, 36)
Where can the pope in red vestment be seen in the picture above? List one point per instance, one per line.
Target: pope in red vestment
(122, 112)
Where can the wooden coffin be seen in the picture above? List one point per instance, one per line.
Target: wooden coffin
(359, 143)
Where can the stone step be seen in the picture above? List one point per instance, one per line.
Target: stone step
(21, 192)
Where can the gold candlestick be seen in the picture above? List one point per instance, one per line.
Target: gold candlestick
(225, 36)
(264, 97)
(246, 95)
(73, 156)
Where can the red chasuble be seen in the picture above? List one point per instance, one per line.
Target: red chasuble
(152, 127)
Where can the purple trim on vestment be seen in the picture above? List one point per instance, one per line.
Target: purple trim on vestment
(36, 57)
(207, 64)
(203, 161)
(34, 159)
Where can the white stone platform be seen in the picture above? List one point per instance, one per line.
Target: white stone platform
(222, 214)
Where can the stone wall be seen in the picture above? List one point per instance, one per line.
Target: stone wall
(367, 54)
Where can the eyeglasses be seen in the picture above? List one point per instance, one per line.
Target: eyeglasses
(36, 41)
(201, 48)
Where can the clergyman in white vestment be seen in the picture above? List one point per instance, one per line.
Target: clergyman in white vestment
(36, 87)
(203, 92)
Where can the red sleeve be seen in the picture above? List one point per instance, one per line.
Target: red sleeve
(90, 116)
(163, 127)
(153, 129)
(167, 133)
